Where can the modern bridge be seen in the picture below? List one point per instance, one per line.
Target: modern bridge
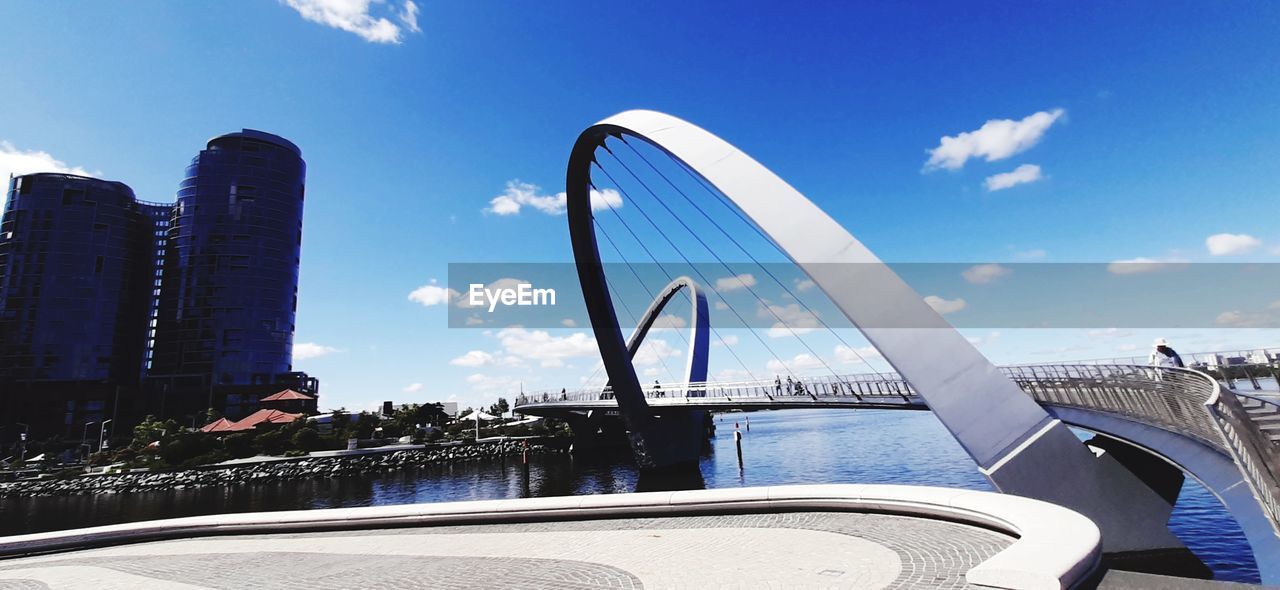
(1227, 440)
(1153, 425)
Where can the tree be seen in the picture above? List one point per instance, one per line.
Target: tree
(151, 430)
(306, 439)
(499, 409)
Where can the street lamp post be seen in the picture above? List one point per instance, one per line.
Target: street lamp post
(84, 439)
(102, 433)
(22, 442)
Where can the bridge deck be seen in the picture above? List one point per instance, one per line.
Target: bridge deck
(1188, 403)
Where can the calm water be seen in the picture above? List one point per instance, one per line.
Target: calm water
(783, 447)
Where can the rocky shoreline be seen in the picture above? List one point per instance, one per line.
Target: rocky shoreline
(301, 468)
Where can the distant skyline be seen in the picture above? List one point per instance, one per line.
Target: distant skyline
(438, 133)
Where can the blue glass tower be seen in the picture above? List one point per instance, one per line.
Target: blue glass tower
(229, 297)
(77, 266)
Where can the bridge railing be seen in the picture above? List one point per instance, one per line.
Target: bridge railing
(1172, 399)
(1256, 455)
(855, 385)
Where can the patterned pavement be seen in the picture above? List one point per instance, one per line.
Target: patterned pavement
(786, 550)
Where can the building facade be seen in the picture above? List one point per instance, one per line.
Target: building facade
(228, 301)
(77, 268)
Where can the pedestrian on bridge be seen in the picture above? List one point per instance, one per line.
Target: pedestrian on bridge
(1164, 356)
(777, 384)
(791, 386)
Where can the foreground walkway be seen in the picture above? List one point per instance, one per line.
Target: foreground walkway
(817, 549)
(830, 536)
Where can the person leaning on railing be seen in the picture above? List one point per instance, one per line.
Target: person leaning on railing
(1164, 356)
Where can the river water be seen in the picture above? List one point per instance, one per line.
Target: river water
(781, 447)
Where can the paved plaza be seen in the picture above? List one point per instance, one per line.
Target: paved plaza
(785, 550)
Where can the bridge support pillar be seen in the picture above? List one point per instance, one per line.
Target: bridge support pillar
(1055, 466)
(1166, 481)
(670, 440)
(595, 430)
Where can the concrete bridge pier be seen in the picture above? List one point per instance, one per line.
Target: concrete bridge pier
(670, 440)
(1166, 481)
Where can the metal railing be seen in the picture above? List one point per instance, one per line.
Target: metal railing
(1249, 445)
(1187, 402)
(1172, 399)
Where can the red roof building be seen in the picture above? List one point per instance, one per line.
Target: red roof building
(251, 421)
(290, 401)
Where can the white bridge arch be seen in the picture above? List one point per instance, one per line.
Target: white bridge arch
(1016, 444)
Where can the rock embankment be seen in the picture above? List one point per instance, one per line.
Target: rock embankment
(301, 468)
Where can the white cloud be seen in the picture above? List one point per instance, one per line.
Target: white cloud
(853, 356)
(1033, 254)
(1108, 334)
(742, 281)
(980, 274)
(1239, 319)
(568, 323)
(518, 195)
(801, 362)
(721, 305)
(502, 284)
(1024, 174)
(409, 16)
(668, 322)
(1142, 264)
(354, 16)
(997, 139)
(1231, 244)
(987, 340)
(16, 162)
(732, 375)
(652, 351)
(789, 320)
(498, 384)
(432, 294)
(412, 388)
(474, 358)
(803, 285)
(945, 306)
(728, 340)
(547, 350)
(310, 350)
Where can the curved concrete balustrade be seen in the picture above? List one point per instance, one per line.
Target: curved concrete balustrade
(1055, 547)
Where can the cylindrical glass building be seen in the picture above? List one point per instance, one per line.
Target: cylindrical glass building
(229, 296)
(76, 274)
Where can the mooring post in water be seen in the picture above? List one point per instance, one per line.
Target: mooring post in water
(524, 452)
(748, 420)
(737, 440)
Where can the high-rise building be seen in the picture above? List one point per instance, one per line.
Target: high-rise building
(224, 335)
(77, 274)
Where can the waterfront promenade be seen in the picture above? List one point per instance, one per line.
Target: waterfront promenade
(831, 536)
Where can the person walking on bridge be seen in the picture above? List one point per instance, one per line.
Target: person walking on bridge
(1164, 356)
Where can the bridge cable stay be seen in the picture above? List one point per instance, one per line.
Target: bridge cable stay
(695, 269)
(664, 270)
(634, 318)
(720, 198)
(726, 266)
(645, 289)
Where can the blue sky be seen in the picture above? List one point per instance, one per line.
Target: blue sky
(1144, 130)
